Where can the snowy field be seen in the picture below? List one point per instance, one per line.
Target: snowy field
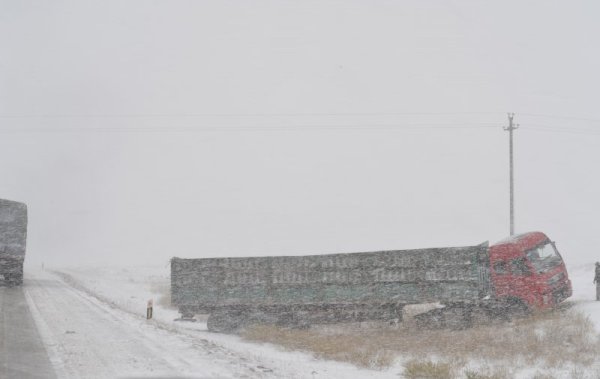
(110, 337)
(584, 292)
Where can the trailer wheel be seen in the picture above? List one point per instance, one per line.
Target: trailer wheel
(481, 315)
(13, 280)
(517, 308)
(224, 322)
(454, 317)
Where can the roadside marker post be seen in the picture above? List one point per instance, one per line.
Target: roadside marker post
(149, 310)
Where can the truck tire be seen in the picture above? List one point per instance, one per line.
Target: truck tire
(13, 280)
(224, 322)
(454, 317)
(17, 280)
(481, 315)
(517, 308)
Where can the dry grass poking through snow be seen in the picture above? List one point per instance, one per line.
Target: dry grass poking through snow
(428, 369)
(343, 347)
(550, 339)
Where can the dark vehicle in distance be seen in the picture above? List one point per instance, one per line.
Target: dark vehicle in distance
(13, 237)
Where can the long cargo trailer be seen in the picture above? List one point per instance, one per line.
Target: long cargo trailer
(372, 285)
(522, 272)
(13, 237)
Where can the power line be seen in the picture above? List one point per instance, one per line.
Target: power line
(560, 117)
(591, 129)
(199, 115)
(250, 128)
(563, 127)
(563, 131)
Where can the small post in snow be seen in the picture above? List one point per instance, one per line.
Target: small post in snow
(149, 310)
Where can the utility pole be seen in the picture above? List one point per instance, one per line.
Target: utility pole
(510, 128)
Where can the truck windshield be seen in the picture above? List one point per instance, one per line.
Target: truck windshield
(544, 257)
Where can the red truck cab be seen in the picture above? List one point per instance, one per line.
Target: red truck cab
(527, 270)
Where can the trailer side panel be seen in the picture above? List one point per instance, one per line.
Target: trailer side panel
(457, 274)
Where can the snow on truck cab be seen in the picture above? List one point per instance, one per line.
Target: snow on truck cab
(527, 270)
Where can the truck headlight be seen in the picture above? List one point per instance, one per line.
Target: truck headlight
(546, 299)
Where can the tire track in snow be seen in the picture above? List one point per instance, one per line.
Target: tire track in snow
(124, 343)
(253, 364)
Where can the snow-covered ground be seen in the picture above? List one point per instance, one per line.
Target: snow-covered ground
(584, 292)
(93, 322)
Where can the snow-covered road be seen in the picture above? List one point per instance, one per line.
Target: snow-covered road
(102, 333)
(92, 324)
(87, 338)
(22, 353)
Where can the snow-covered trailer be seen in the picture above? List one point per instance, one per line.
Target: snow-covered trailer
(13, 236)
(301, 290)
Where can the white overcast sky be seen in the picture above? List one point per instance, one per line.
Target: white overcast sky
(142, 130)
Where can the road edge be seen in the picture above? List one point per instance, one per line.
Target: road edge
(46, 336)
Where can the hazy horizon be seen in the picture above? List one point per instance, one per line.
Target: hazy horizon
(137, 131)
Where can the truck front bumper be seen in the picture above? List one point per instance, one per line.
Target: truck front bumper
(562, 293)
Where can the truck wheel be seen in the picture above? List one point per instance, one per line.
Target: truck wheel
(458, 317)
(224, 322)
(517, 308)
(17, 280)
(454, 317)
(433, 319)
(481, 316)
(13, 280)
